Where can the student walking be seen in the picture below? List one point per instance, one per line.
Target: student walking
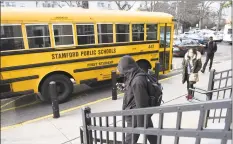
(136, 96)
(191, 66)
(211, 48)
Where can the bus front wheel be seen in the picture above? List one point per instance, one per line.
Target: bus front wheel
(64, 87)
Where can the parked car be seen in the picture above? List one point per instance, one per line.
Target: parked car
(180, 47)
(216, 36)
(195, 36)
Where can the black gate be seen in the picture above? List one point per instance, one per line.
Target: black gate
(98, 128)
(219, 87)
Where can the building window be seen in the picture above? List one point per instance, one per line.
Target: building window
(13, 4)
(85, 33)
(2, 4)
(100, 4)
(38, 36)
(122, 32)
(63, 34)
(11, 37)
(109, 6)
(151, 31)
(138, 32)
(105, 33)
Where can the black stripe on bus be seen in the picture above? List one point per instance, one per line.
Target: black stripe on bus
(71, 61)
(154, 59)
(19, 79)
(95, 68)
(19, 52)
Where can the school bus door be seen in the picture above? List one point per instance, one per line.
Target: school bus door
(165, 48)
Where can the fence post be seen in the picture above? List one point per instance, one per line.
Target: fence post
(209, 95)
(86, 121)
(157, 70)
(81, 135)
(211, 84)
(54, 99)
(114, 87)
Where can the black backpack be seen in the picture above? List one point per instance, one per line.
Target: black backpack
(155, 90)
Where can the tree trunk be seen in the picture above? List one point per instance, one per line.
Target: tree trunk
(219, 16)
(177, 16)
(182, 28)
(200, 23)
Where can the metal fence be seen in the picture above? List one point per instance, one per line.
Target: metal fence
(91, 127)
(219, 87)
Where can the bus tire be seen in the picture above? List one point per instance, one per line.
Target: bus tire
(144, 65)
(64, 87)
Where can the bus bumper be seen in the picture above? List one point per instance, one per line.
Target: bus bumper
(6, 92)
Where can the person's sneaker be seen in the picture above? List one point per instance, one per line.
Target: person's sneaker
(189, 97)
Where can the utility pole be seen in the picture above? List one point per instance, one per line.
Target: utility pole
(178, 18)
(220, 15)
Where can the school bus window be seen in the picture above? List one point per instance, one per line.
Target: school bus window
(105, 33)
(63, 35)
(151, 31)
(38, 36)
(168, 36)
(138, 32)
(85, 34)
(11, 38)
(122, 32)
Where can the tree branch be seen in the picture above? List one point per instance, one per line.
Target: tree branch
(129, 7)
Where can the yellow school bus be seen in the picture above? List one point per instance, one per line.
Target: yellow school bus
(76, 46)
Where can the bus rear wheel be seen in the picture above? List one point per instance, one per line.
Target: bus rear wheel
(64, 88)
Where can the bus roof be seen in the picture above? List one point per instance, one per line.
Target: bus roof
(36, 15)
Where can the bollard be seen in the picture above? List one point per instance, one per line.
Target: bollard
(157, 70)
(87, 134)
(114, 87)
(54, 99)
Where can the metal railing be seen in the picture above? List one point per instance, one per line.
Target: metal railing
(219, 87)
(218, 81)
(90, 126)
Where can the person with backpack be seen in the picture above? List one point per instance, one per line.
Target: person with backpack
(137, 95)
(191, 65)
(211, 48)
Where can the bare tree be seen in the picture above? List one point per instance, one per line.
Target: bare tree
(124, 5)
(83, 4)
(203, 11)
(220, 13)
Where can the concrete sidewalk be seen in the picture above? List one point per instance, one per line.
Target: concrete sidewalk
(66, 128)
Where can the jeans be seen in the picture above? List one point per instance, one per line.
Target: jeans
(152, 138)
(208, 57)
(189, 85)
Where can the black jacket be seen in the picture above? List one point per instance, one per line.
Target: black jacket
(211, 47)
(136, 95)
